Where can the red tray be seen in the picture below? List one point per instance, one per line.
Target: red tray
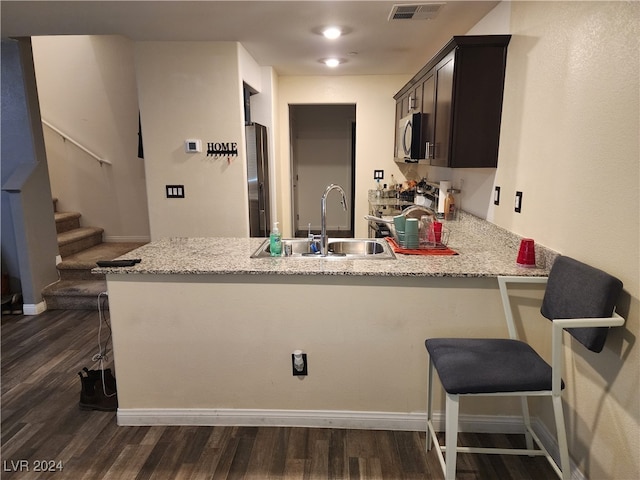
(439, 250)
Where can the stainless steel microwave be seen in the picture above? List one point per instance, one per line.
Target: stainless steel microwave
(410, 138)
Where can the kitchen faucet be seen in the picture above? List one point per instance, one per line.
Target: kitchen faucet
(324, 241)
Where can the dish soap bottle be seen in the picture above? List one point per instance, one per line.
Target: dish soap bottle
(275, 241)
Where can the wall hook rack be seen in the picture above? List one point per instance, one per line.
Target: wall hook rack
(222, 149)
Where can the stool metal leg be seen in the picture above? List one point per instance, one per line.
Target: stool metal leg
(429, 403)
(527, 422)
(565, 466)
(451, 436)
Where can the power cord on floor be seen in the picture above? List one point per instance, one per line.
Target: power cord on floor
(103, 354)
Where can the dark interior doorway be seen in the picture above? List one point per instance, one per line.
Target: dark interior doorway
(322, 152)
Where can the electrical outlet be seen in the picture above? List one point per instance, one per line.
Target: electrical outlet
(518, 205)
(303, 370)
(496, 196)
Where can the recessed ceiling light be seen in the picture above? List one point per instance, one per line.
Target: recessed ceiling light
(332, 32)
(331, 62)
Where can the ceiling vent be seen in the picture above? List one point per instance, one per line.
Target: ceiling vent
(415, 11)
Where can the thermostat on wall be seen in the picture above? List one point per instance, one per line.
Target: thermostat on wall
(193, 146)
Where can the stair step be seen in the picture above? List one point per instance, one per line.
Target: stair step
(66, 221)
(81, 248)
(78, 274)
(72, 295)
(78, 239)
(78, 266)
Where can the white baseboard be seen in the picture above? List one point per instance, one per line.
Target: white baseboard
(334, 419)
(274, 418)
(315, 418)
(34, 308)
(122, 239)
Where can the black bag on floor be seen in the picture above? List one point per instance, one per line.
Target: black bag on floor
(98, 390)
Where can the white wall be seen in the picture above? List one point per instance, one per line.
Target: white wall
(375, 114)
(366, 354)
(248, 70)
(87, 89)
(193, 90)
(569, 141)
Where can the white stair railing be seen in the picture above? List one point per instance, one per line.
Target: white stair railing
(77, 144)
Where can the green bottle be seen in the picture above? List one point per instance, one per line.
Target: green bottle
(275, 241)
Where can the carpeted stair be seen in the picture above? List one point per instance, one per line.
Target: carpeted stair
(80, 249)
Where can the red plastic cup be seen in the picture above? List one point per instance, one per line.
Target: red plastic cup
(435, 233)
(527, 253)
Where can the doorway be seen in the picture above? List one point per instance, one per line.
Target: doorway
(322, 153)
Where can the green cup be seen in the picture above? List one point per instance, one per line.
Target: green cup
(411, 226)
(399, 221)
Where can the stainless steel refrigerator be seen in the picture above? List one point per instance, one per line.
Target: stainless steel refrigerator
(258, 180)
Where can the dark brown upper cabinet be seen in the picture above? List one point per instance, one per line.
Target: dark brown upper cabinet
(460, 92)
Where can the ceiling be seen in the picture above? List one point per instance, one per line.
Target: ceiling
(281, 34)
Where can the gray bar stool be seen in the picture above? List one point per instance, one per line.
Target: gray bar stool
(578, 298)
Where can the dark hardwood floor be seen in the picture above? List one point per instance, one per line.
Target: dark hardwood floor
(43, 429)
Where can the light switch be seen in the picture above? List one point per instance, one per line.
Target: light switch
(175, 191)
(518, 205)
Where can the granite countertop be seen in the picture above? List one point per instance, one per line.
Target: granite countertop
(484, 250)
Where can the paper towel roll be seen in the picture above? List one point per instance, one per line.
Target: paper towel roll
(444, 187)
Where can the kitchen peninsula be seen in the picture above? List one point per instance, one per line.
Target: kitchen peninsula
(203, 334)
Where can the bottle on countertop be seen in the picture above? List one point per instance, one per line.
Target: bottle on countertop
(450, 207)
(275, 241)
(394, 187)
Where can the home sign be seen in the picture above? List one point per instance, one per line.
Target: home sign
(222, 149)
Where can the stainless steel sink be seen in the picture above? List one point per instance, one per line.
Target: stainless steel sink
(338, 248)
(357, 247)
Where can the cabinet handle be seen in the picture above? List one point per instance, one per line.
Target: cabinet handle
(431, 150)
